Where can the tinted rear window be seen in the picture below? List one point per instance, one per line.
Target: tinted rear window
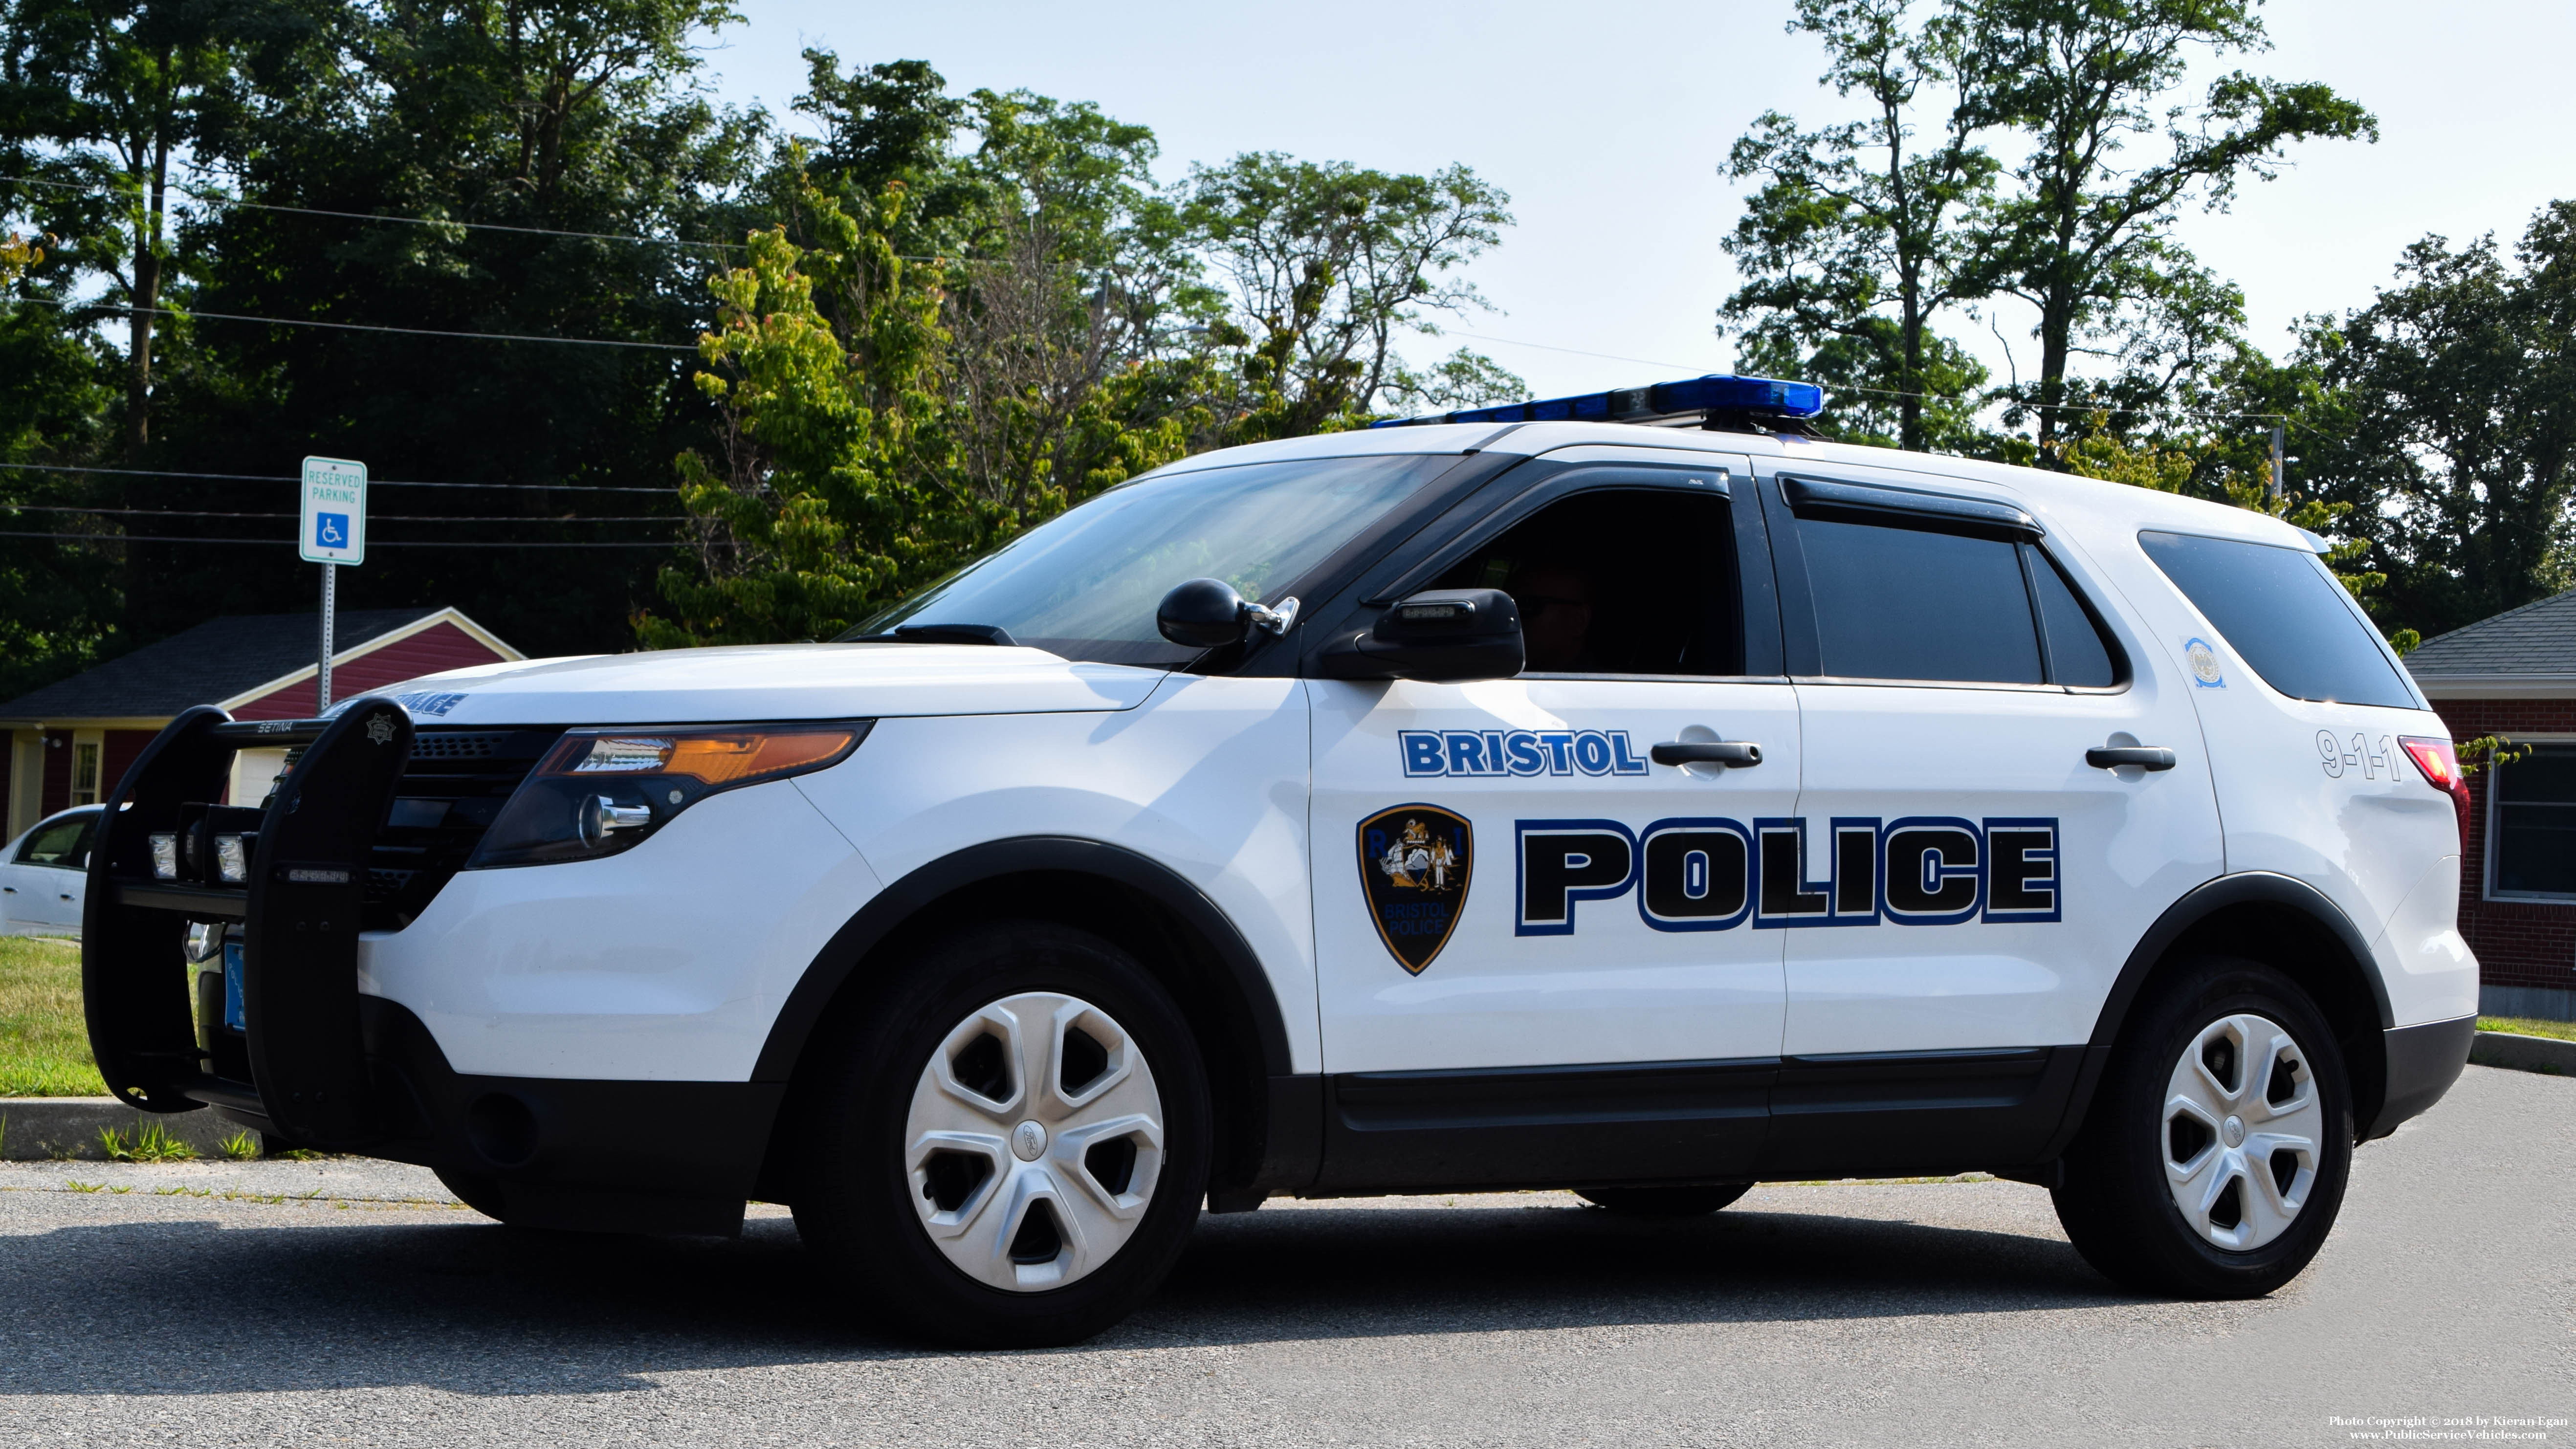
(1907, 603)
(2284, 615)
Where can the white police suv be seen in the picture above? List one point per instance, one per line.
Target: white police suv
(1529, 798)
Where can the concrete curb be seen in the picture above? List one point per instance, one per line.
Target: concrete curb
(34, 1129)
(2524, 1053)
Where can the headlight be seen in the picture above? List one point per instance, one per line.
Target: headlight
(598, 792)
(165, 855)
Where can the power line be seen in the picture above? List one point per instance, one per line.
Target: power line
(372, 483)
(217, 199)
(114, 310)
(1573, 351)
(1853, 387)
(371, 543)
(372, 518)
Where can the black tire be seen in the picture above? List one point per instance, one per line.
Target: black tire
(475, 1191)
(854, 1193)
(1694, 1201)
(2116, 1203)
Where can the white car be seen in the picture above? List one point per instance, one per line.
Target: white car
(1621, 793)
(44, 874)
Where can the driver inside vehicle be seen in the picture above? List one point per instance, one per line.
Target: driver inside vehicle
(1555, 602)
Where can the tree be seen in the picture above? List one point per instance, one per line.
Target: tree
(592, 190)
(99, 99)
(1327, 265)
(1860, 238)
(2450, 422)
(823, 366)
(1073, 362)
(2085, 235)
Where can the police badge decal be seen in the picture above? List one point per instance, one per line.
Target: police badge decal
(1414, 864)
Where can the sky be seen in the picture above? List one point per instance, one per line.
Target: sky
(1608, 125)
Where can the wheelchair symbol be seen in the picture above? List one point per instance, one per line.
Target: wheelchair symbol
(331, 530)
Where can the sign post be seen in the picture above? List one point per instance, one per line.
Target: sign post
(334, 533)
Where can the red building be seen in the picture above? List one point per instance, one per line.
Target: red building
(72, 741)
(2515, 676)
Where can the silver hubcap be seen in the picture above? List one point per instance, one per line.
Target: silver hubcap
(1034, 1141)
(2241, 1130)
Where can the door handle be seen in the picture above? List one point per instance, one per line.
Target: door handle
(1734, 754)
(2112, 757)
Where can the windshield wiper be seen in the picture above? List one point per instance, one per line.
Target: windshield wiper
(939, 634)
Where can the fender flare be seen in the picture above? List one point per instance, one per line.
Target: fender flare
(2253, 887)
(891, 907)
(2212, 896)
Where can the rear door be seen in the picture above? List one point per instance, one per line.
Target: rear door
(1970, 885)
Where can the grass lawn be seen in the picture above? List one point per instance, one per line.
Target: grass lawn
(2529, 1026)
(44, 1046)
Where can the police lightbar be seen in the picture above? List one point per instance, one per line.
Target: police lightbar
(1716, 395)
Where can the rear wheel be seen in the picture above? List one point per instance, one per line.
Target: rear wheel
(2213, 1161)
(1011, 1149)
(1665, 1202)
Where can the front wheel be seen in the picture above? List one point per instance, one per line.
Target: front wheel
(1010, 1149)
(2213, 1161)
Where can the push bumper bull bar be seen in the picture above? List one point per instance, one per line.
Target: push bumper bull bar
(299, 906)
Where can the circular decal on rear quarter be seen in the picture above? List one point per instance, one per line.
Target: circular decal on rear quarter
(2204, 664)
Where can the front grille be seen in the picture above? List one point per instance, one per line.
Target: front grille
(461, 745)
(450, 793)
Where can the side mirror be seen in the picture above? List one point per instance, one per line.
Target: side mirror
(1209, 614)
(1446, 636)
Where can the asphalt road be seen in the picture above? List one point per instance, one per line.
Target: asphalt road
(374, 1312)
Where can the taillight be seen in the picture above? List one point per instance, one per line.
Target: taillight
(2441, 766)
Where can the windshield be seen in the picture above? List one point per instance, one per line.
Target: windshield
(1085, 584)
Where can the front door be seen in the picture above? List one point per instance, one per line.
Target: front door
(1524, 924)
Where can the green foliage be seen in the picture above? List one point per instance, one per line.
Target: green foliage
(2452, 422)
(2485, 750)
(1860, 240)
(1327, 267)
(2084, 233)
(242, 1146)
(818, 511)
(150, 1142)
(44, 1043)
(579, 117)
(907, 377)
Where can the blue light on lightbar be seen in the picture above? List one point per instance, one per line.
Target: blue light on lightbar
(1717, 391)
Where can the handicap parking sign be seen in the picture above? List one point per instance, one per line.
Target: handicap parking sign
(335, 511)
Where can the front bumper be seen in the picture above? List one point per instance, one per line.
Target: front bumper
(320, 1065)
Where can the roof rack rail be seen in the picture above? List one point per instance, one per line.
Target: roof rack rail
(1717, 401)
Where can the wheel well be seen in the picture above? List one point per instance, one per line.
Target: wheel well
(1178, 954)
(2315, 957)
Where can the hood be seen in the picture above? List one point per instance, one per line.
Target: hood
(771, 682)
